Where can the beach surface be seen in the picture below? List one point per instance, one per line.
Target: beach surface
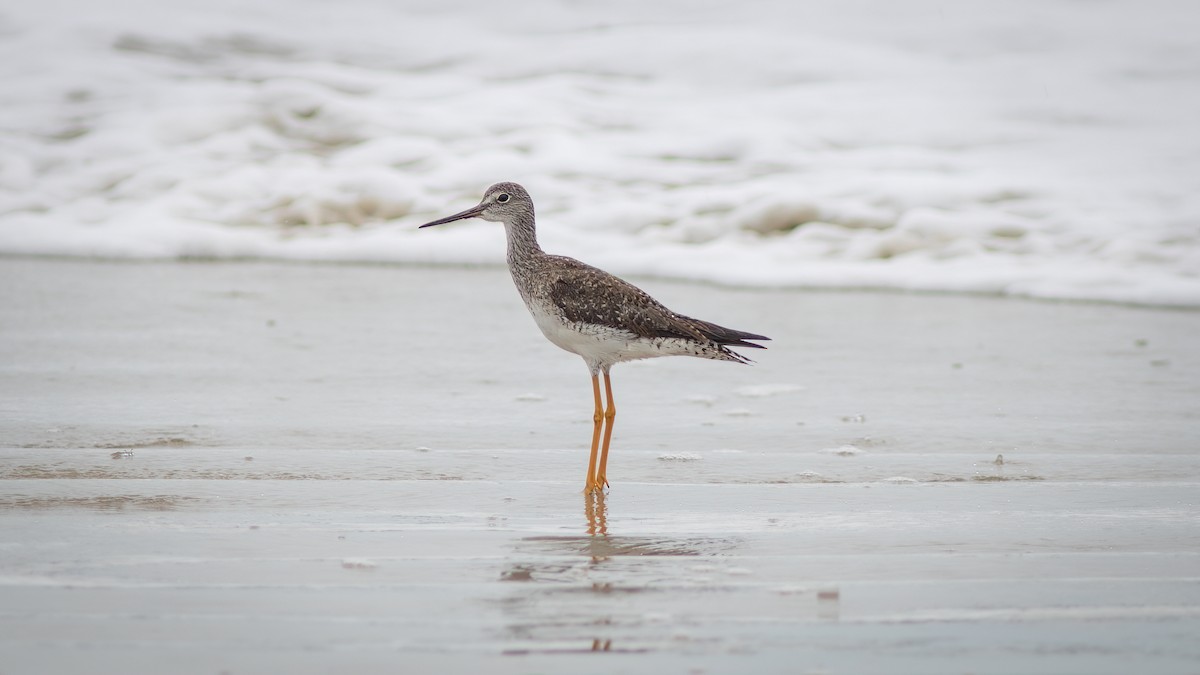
(269, 467)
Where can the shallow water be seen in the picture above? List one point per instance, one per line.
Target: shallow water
(255, 467)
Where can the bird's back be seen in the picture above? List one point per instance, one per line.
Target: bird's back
(606, 319)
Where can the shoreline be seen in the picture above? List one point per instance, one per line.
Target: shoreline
(666, 278)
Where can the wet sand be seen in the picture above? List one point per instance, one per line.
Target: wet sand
(282, 468)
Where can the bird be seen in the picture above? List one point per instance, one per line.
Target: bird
(596, 315)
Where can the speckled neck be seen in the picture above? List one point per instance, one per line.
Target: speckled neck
(522, 239)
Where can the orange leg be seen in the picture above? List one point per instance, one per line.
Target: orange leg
(609, 414)
(598, 418)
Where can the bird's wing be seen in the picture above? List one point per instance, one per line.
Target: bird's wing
(590, 295)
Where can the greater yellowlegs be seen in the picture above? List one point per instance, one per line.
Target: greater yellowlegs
(592, 313)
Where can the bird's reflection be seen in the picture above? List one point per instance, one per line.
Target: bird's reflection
(588, 585)
(597, 542)
(595, 510)
(569, 584)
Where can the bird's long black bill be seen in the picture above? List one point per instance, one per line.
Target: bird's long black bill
(472, 212)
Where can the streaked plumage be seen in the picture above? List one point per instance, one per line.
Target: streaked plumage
(589, 312)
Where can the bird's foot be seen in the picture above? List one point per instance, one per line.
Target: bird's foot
(592, 487)
(601, 482)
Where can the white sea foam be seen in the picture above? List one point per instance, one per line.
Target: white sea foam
(679, 457)
(1048, 150)
(765, 390)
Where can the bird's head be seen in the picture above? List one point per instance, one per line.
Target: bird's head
(503, 202)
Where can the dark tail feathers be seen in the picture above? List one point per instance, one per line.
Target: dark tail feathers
(727, 336)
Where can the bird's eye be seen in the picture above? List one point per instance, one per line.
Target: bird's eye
(502, 198)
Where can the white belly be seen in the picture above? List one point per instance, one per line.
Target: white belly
(602, 346)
